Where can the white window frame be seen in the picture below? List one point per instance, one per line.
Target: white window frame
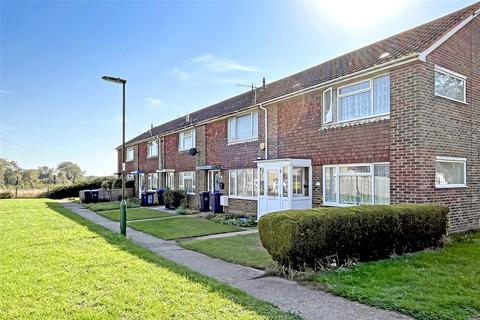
(181, 142)
(232, 122)
(169, 181)
(186, 175)
(149, 148)
(454, 160)
(337, 174)
(339, 96)
(150, 180)
(234, 193)
(455, 75)
(128, 150)
(323, 105)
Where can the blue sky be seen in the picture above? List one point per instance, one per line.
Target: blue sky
(176, 56)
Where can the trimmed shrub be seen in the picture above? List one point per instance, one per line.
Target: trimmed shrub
(62, 192)
(174, 198)
(6, 195)
(117, 184)
(106, 185)
(306, 238)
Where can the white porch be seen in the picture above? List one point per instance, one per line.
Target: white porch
(284, 184)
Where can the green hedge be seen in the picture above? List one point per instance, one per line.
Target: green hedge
(305, 238)
(73, 190)
(174, 198)
(117, 184)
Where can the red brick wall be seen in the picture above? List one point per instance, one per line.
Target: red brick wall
(425, 126)
(174, 159)
(235, 156)
(149, 165)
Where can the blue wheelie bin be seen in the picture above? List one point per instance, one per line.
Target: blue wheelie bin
(149, 198)
(94, 196)
(143, 200)
(160, 197)
(204, 203)
(215, 202)
(88, 196)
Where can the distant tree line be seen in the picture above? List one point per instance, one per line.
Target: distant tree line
(13, 176)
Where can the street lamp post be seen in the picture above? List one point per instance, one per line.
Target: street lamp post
(123, 204)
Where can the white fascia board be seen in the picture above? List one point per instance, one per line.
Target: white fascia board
(423, 55)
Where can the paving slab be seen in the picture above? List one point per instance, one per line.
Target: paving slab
(285, 294)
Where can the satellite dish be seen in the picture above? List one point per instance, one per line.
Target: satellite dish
(193, 151)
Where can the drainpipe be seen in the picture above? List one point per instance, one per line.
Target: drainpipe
(266, 129)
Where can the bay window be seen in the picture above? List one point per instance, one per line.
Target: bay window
(449, 84)
(450, 172)
(243, 183)
(186, 140)
(360, 100)
(345, 185)
(152, 148)
(244, 127)
(187, 181)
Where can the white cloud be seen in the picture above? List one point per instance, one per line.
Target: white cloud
(219, 64)
(5, 91)
(180, 75)
(153, 103)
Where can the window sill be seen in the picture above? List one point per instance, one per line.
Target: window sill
(128, 161)
(451, 186)
(243, 198)
(451, 99)
(230, 143)
(152, 156)
(354, 122)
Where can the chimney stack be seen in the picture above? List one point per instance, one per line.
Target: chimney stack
(263, 83)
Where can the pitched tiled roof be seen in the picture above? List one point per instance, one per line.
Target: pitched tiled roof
(403, 44)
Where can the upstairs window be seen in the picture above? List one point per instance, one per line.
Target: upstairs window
(130, 154)
(244, 127)
(152, 148)
(357, 101)
(450, 172)
(186, 140)
(450, 85)
(187, 181)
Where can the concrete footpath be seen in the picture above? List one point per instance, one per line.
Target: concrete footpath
(285, 294)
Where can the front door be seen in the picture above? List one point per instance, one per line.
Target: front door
(270, 195)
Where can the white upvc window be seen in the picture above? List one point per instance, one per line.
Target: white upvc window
(130, 154)
(243, 183)
(450, 85)
(364, 99)
(243, 127)
(168, 182)
(186, 140)
(450, 172)
(187, 181)
(152, 181)
(356, 184)
(152, 148)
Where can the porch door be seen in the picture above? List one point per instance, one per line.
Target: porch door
(270, 199)
(141, 184)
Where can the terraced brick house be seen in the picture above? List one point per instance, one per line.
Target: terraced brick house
(397, 121)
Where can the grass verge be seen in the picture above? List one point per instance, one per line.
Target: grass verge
(181, 227)
(134, 214)
(55, 264)
(246, 250)
(442, 284)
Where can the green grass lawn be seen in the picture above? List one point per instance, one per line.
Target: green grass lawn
(244, 249)
(57, 265)
(181, 227)
(134, 214)
(443, 284)
(113, 205)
